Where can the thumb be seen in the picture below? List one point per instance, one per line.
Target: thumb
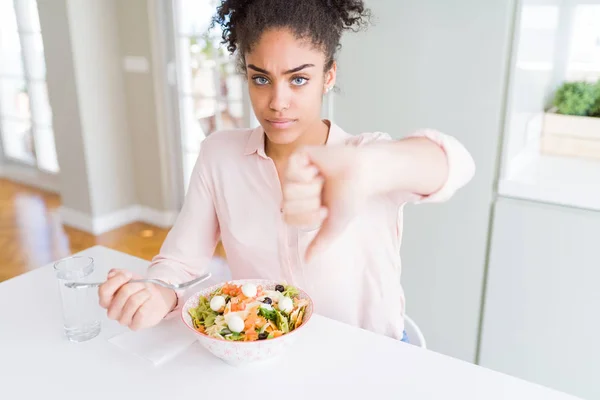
(329, 230)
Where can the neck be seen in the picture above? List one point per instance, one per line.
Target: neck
(315, 135)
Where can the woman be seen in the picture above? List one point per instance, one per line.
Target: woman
(298, 199)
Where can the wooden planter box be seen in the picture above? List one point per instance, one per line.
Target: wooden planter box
(572, 136)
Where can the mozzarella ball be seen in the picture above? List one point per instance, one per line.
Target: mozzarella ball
(217, 303)
(235, 323)
(286, 304)
(249, 289)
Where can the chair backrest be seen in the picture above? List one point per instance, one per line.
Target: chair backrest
(415, 336)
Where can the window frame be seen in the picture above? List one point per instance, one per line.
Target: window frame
(23, 18)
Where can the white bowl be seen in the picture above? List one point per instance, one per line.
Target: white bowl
(241, 353)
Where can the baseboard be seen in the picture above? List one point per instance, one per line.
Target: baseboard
(162, 219)
(114, 220)
(117, 219)
(30, 176)
(76, 219)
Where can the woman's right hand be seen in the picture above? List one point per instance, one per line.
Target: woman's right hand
(135, 305)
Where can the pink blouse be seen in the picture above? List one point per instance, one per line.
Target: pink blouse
(235, 195)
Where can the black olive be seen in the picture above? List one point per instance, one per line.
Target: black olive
(279, 288)
(263, 336)
(268, 300)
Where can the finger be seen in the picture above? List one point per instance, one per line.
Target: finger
(301, 206)
(161, 303)
(114, 272)
(299, 159)
(299, 169)
(307, 220)
(133, 304)
(115, 309)
(107, 290)
(297, 191)
(301, 174)
(326, 235)
(141, 317)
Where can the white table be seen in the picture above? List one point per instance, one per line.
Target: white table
(330, 360)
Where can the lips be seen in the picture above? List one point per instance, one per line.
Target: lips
(281, 123)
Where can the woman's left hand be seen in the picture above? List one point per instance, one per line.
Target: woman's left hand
(327, 186)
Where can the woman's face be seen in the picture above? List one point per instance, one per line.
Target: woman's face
(286, 84)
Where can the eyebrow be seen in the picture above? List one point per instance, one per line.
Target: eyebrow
(290, 71)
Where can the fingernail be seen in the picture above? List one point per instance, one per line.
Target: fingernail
(111, 274)
(323, 212)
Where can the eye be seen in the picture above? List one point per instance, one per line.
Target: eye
(260, 80)
(299, 81)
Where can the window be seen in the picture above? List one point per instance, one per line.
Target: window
(584, 58)
(25, 114)
(548, 156)
(210, 91)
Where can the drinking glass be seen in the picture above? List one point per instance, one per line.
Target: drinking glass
(81, 310)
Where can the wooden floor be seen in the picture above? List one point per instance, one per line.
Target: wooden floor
(32, 235)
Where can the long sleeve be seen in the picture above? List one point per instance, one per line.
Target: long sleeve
(189, 246)
(461, 167)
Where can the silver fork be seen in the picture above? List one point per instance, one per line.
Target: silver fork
(179, 286)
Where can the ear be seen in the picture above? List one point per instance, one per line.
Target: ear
(330, 77)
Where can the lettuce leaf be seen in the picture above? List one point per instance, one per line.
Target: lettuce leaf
(268, 314)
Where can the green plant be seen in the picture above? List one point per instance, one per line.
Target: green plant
(576, 98)
(595, 109)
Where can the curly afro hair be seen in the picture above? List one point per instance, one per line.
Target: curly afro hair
(320, 21)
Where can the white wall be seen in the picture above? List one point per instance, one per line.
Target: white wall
(63, 97)
(101, 95)
(107, 131)
(541, 311)
(85, 88)
(135, 41)
(439, 64)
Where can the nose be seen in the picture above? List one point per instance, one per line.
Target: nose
(280, 98)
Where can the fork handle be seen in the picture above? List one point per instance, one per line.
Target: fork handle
(86, 285)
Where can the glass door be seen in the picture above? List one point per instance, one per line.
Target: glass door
(211, 94)
(25, 116)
